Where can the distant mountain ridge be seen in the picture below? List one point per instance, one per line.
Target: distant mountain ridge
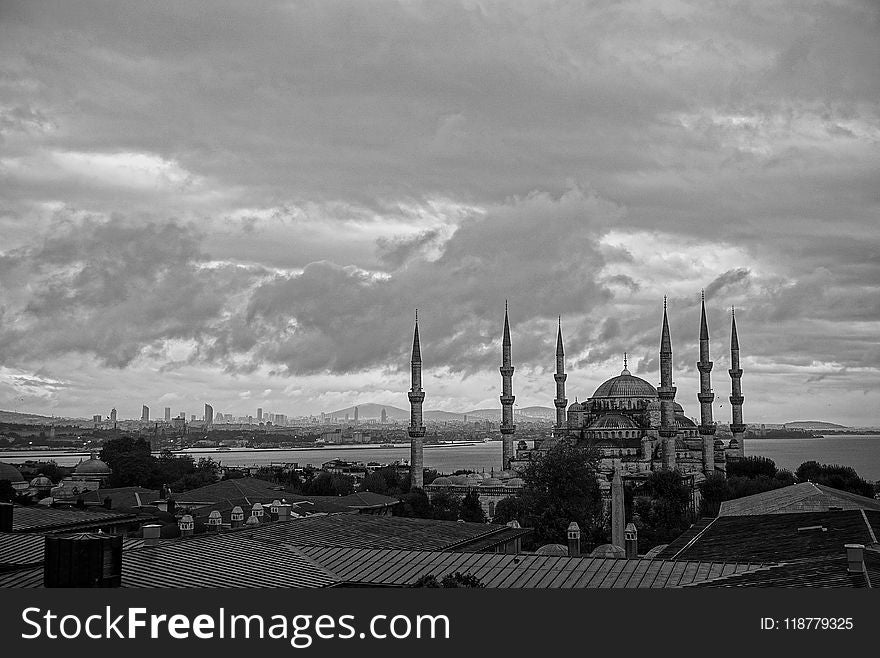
(371, 410)
(814, 425)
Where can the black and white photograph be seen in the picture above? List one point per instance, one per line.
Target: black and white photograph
(409, 294)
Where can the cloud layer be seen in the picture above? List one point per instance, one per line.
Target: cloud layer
(208, 200)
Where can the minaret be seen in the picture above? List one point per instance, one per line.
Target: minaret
(736, 398)
(666, 393)
(507, 397)
(560, 402)
(706, 396)
(416, 428)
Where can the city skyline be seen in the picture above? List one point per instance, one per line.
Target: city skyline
(244, 207)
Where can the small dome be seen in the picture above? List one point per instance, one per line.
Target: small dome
(257, 507)
(253, 520)
(93, 466)
(186, 518)
(442, 481)
(515, 482)
(491, 482)
(41, 482)
(625, 385)
(608, 551)
(552, 549)
(214, 514)
(683, 421)
(10, 473)
(459, 480)
(613, 422)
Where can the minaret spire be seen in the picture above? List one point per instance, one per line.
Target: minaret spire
(416, 427)
(560, 401)
(507, 426)
(666, 393)
(737, 427)
(706, 396)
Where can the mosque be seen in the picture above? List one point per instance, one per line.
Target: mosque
(635, 427)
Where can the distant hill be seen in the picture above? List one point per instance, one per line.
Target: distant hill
(813, 425)
(26, 419)
(371, 410)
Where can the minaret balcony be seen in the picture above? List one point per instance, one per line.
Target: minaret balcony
(705, 366)
(666, 392)
(560, 404)
(560, 377)
(416, 397)
(507, 399)
(707, 429)
(508, 429)
(416, 432)
(506, 371)
(737, 428)
(737, 400)
(736, 373)
(706, 398)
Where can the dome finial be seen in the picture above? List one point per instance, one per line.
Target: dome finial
(702, 294)
(624, 360)
(664, 302)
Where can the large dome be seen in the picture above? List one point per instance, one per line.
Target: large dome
(625, 385)
(93, 466)
(10, 473)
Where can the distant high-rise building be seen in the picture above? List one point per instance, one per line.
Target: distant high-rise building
(192, 418)
(113, 415)
(384, 416)
(145, 413)
(346, 418)
(259, 415)
(96, 418)
(355, 415)
(167, 414)
(209, 415)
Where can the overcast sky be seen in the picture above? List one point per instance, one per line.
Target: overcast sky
(242, 203)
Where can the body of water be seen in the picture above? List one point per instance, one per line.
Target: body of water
(862, 452)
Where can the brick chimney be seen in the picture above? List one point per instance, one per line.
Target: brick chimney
(631, 541)
(152, 533)
(237, 517)
(574, 539)
(855, 558)
(215, 521)
(82, 560)
(186, 525)
(6, 513)
(284, 512)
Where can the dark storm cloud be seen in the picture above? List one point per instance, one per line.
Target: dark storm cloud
(344, 319)
(109, 289)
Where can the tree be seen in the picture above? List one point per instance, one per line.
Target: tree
(835, 476)
(7, 491)
(559, 487)
(135, 469)
(374, 482)
(450, 580)
(471, 509)
(509, 509)
(751, 467)
(121, 447)
(661, 509)
(415, 504)
(445, 506)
